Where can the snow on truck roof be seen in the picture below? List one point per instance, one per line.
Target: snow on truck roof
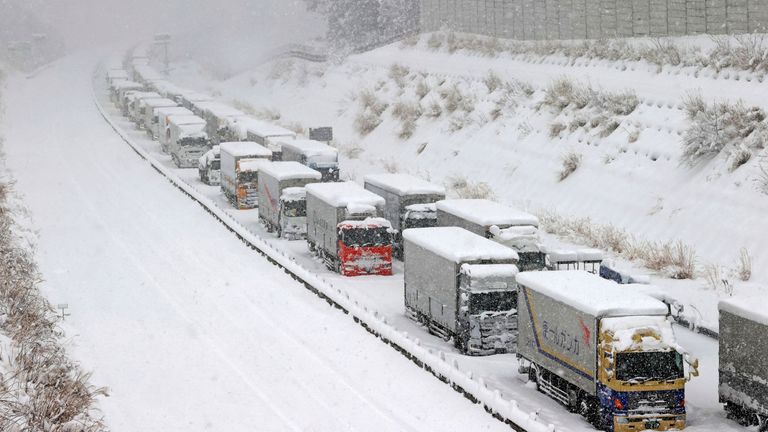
(173, 110)
(486, 212)
(192, 130)
(749, 307)
(458, 244)
(404, 184)
(219, 109)
(344, 194)
(591, 294)
(252, 164)
(258, 127)
(290, 170)
(483, 271)
(158, 102)
(185, 119)
(245, 148)
(311, 147)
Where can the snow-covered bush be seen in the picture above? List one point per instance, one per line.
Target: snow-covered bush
(422, 88)
(555, 129)
(435, 41)
(492, 81)
(571, 162)
(454, 99)
(617, 103)
(399, 74)
(609, 128)
(467, 189)
(366, 122)
(744, 265)
(739, 157)
(433, 109)
(369, 101)
(746, 52)
(713, 127)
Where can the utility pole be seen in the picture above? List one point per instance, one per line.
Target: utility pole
(163, 40)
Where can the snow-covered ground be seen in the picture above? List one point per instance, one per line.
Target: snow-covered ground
(189, 328)
(384, 295)
(633, 179)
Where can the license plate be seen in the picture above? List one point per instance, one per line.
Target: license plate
(652, 424)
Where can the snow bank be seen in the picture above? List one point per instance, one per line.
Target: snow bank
(343, 194)
(486, 212)
(591, 294)
(458, 244)
(290, 170)
(404, 184)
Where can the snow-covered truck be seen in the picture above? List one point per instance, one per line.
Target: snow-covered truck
(217, 115)
(161, 124)
(282, 198)
(314, 154)
(146, 112)
(410, 202)
(131, 102)
(209, 167)
(743, 366)
(119, 88)
(462, 286)
(345, 229)
(240, 162)
(606, 352)
(506, 225)
(267, 134)
(188, 140)
(188, 99)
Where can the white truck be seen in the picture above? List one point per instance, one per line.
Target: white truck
(209, 167)
(240, 162)
(410, 202)
(606, 352)
(743, 368)
(161, 123)
(146, 112)
(314, 154)
(131, 102)
(119, 88)
(188, 99)
(217, 115)
(345, 229)
(282, 198)
(267, 134)
(503, 224)
(188, 140)
(462, 286)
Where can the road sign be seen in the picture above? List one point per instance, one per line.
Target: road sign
(321, 134)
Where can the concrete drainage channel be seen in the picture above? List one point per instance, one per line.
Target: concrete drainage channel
(463, 382)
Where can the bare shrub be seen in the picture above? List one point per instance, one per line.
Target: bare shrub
(617, 103)
(269, 113)
(571, 162)
(452, 97)
(244, 106)
(576, 123)
(555, 129)
(693, 103)
(422, 88)
(470, 190)
(352, 151)
(366, 122)
(369, 101)
(744, 265)
(398, 73)
(408, 113)
(609, 128)
(433, 109)
(633, 136)
(739, 157)
(458, 122)
(296, 127)
(713, 276)
(391, 167)
(435, 41)
(493, 81)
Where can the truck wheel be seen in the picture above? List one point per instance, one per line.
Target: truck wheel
(573, 401)
(279, 232)
(587, 409)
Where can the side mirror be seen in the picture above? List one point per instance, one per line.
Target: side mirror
(693, 367)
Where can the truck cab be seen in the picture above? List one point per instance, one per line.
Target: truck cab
(314, 154)
(365, 243)
(187, 139)
(525, 240)
(487, 309)
(641, 375)
(209, 167)
(293, 213)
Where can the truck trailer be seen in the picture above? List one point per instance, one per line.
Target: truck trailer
(131, 102)
(462, 286)
(410, 203)
(187, 140)
(217, 116)
(345, 229)
(601, 350)
(240, 162)
(282, 199)
(146, 114)
(506, 225)
(314, 154)
(161, 124)
(209, 167)
(267, 134)
(743, 366)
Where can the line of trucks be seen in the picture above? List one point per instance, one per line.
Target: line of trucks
(475, 271)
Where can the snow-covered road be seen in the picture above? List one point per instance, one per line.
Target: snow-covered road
(188, 327)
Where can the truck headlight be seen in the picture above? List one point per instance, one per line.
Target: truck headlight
(622, 420)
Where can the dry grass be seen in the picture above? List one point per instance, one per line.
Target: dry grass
(744, 265)
(43, 389)
(673, 258)
(408, 112)
(740, 156)
(399, 74)
(470, 190)
(555, 129)
(492, 81)
(366, 122)
(571, 162)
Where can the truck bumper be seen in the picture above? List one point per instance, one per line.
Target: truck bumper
(649, 422)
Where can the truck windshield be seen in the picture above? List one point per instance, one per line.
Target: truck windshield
(649, 366)
(365, 237)
(247, 176)
(296, 208)
(531, 261)
(493, 301)
(189, 142)
(216, 165)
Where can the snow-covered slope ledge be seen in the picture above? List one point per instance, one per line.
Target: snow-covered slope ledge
(490, 126)
(434, 362)
(41, 388)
